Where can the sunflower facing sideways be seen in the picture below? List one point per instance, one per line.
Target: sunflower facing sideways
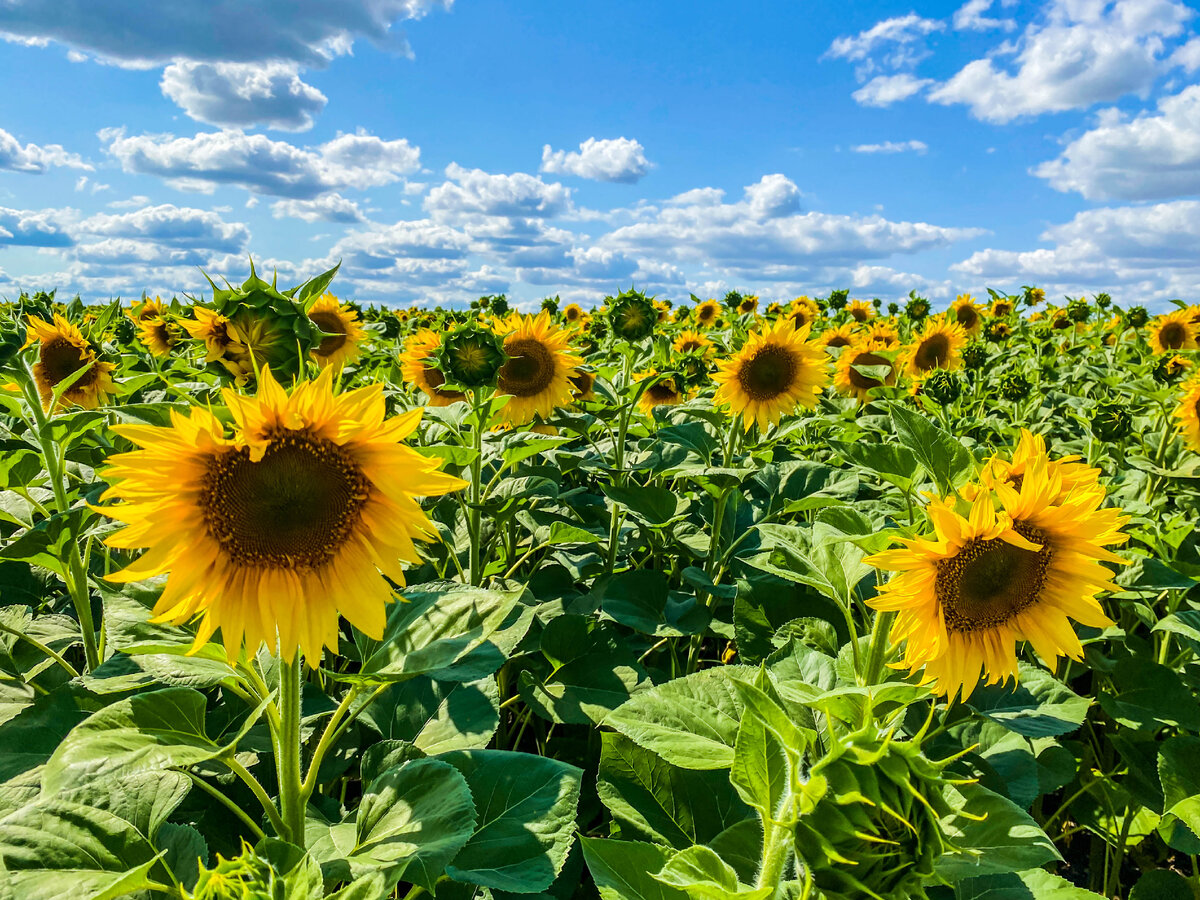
(850, 381)
(1188, 413)
(776, 371)
(271, 534)
(537, 372)
(1013, 564)
(213, 329)
(936, 347)
(417, 369)
(842, 336)
(803, 311)
(663, 391)
(63, 351)
(1173, 331)
(344, 332)
(966, 313)
(158, 334)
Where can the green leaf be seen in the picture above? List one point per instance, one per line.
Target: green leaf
(655, 506)
(623, 870)
(652, 799)
(691, 722)
(1180, 779)
(1037, 706)
(1006, 840)
(894, 464)
(144, 800)
(525, 807)
(702, 875)
(585, 690)
(1161, 884)
(417, 816)
(642, 600)
(761, 771)
(437, 716)
(944, 458)
(1185, 623)
(28, 739)
(1150, 696)
(1035, 884)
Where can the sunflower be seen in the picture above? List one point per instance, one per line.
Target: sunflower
(159, 335)
(1188, 413)
(1173, 331)
(663, 391)
(342, 325)
(882, 333)
(774, 372)
(538, 369)
(803, 311)
(417, 370)
(212, 328)
(992, 577)
(1068, 471)
(707, 313)
(842, 336)
(694, 342)
(271, 534)
(147, 309)
(664, 311)
(574, 315)
(861, 311)
(1001, 307)
(748, 304)
(63, 352)
(967, 314)
(848, 380)
(936, 347)
(583, 384)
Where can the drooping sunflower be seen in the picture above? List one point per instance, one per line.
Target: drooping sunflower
(1173, 331)
(271, 534)
(936, 347)
(848, 380)
(842, 336)
(538, 369)
(967, 314)
(803, 311)
(990, 577)
(160, 335)
(663, 391)
(212, 328)
(775, 371)
(694, 342)
(341, 324)
(63, 352)
(1188, 413)
(417, 368)
(861, 311)
(707, 313)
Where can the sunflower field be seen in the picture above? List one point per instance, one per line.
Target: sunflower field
(817, 598)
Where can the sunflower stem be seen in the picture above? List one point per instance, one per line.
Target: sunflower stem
(291, 791)
(475, 562)
(614, 525)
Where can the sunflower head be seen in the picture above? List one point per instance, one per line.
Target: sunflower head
(1111, 422)
(632, 316)
(748, 304)
(471, 355)
(861, 311)
(694, 342)
(160, 335)
(418, 367)
(63, 353)
(936, 347)
(707, 313)
(917, 307)
(1103, 301)
(1188, 413)
(838, 299)
(1002, 307)
(942, 387)
(777, 370)
(1173, 331)
(803, 311)
(1170, 368)
(966, 314)
(1014, 386)
(1034, 295)
(343, 332)
(573, 314)
(997, 331)
(583, 383)
(883, 333)
(863, 367)
(147, 309)
(271, 533)
(1136, 317)
(1078, 310)
(537, 369)
(663, 389)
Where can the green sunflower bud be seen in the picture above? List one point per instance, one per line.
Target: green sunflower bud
(632, 316)
(942, 387)
(917, 307)
(975, 355)
(273, 871)
(1111, 422)
(893, 309)
(838, 299)
(1103, 301)
(471, 356)
(1014, 386)
(1137, 316)
(1034, 295)
(732, 299)
(1078, 310)
(550, 304)
(124, 330)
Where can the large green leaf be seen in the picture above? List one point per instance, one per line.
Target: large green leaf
(1037, 706)
(1035, 884)
(525, 818)
(948, 461)
(1150, 696)
(690, 722)
(29, 738)
(624, 870)
(997, 835)
(702, 875)
(437, 715)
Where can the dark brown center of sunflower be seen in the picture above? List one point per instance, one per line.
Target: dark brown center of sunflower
(60, 359)
(162, 334)
(704, 313)
(293, 509)
(572, 314)
(1002, 309)
(966, 316)
(768, 373)
(662, 392)
(689, 345)
(858, 379)
(800, 318)
(933, 352)
(987, 583)
(1173, 335)
(529, 369)
(583, 381)
(435, 379)
(332, 324)
(838, 340)
(860, 315)
(748, 306)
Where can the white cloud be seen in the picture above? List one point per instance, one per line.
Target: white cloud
(773, 196)
(329, 208)
(474, 191)
(170, 226)
(240, 95)
(35, 159)
(1187, 56)
(263, 166)
(36, 227)
(893, 43)
(137, 201)
(970, 17)
(884, 90)
(619, 159)
(892, 147)
(147, 32)
(1084, 52)
(1153, 156)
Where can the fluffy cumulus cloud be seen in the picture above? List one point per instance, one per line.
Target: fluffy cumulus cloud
(261, 165)
(884, 90)
(1082, 52)
(33, 158)
(329, 208)
(1146, 252)
(474, 191)
(36, 228)
(973, 16)
(893, 43)
(239, 95)
(170, 226)
(1151, 156)
(913, 146)
(619, 159)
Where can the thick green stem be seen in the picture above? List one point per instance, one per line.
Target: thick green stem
(291, 793)
(877, 648)
(475, 564)
(614, 525)
(777, 853)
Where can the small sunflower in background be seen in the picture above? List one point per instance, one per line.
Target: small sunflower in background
(883, 333)
(1014, 564)
(574, 315)
(842, 336)
(707, 313)
(694, 342)
(850, 381)
(937, 346)
(147, 309)
(966, 313)
(343, 330)
(418, 369)
(748, 304)
(537, 372)
(775, 371)
(803, 311)
(1173, 331)
(664, 311)
(159, 335)
(213, 329)
(664, 390)
(271, 534)
(583, 383)
(1002, 306)
(63, 351)
(1188, 413)
(861, 311)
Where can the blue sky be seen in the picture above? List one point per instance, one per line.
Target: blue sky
(446, 150)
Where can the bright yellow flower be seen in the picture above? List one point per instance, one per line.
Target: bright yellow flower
(342, 325)
(63, 352)
(537, 374)
(776, 371)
